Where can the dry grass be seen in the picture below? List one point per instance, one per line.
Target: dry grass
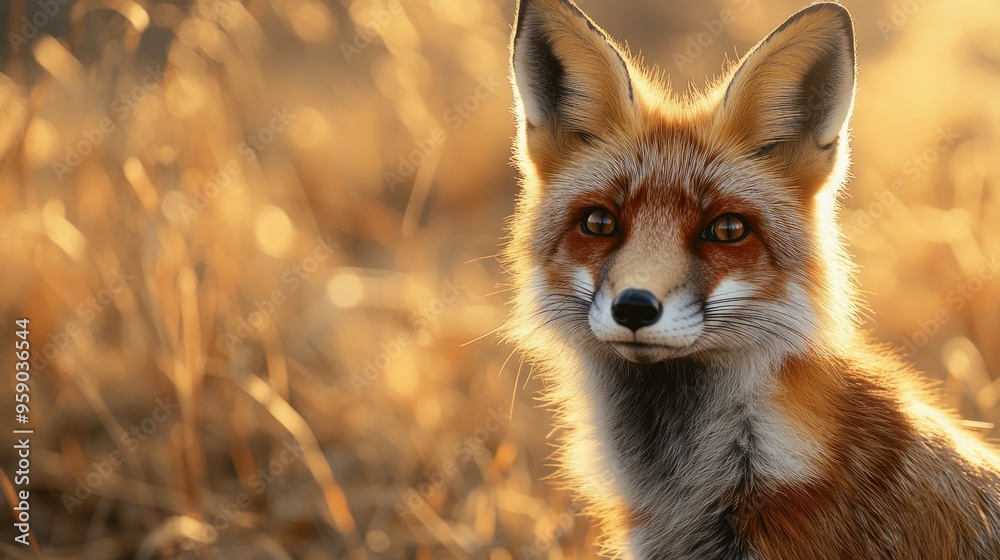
(180, 232)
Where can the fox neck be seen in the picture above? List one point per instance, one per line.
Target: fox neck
(679, 441)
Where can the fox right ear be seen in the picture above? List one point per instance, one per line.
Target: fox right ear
(790, 98)
(572, 83)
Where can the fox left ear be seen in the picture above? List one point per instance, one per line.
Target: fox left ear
(791, 96)
(571, 82)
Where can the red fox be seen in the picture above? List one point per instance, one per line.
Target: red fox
(682, 285)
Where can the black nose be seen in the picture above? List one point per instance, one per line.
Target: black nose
(635, 309)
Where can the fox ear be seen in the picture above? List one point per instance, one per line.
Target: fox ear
(571, 81)
(791, 96)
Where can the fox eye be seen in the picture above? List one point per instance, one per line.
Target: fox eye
(727, 228)
(599, 221)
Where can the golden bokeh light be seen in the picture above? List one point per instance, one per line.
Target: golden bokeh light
(345, 290)
(274, 231)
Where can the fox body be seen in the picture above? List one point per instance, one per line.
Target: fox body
(682, 286)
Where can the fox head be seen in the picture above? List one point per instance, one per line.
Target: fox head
(651, 225)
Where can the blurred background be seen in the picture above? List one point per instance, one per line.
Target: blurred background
(255, 242)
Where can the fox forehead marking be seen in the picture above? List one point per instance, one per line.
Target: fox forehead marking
(671, 159)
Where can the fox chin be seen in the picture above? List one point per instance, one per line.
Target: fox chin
(682, 287)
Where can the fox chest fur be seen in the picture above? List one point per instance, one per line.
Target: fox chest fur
(700, 469)
(682, 287)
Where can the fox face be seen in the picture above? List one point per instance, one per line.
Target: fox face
(653, 226)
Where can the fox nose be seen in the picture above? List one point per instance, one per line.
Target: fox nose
(635, 309)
